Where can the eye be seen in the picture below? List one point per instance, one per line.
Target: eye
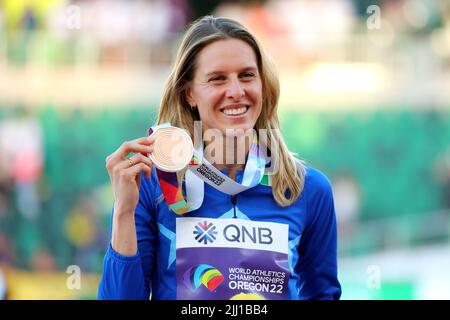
(216, 79)
(247, 75)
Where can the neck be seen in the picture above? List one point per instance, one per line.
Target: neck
(228, 152)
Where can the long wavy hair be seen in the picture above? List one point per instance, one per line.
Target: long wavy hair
(288, 172)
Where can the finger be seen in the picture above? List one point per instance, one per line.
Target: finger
(138, 168)
(141, 145)
(135, 159)
(138, 181)
(114, 165)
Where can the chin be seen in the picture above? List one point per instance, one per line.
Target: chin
(236, 130)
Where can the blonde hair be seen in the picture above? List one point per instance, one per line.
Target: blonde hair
(289, 172)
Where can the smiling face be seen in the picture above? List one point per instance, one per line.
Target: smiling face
(227, 87)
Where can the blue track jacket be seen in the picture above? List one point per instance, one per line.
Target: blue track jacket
(312, 239)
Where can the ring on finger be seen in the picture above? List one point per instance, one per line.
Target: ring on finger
(130, 162)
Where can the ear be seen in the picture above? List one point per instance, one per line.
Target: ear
(189, 96)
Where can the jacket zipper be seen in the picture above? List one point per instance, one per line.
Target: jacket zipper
(234, 201)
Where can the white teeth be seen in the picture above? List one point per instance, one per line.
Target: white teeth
(233, 112)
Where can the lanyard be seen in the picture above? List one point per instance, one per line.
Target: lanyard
(199, 170)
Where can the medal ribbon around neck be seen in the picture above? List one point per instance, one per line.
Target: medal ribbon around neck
(199, 170)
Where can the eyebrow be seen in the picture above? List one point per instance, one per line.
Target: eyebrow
(213, 73)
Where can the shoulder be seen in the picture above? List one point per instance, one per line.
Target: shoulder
(318, 194)
(317, 184)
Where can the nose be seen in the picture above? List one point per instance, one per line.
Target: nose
(235, 89)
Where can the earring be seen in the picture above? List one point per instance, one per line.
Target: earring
(193, 108)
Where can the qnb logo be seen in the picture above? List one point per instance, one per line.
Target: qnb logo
(205, 232)
(260, 235)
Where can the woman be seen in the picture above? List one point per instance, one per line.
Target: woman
(275, 240)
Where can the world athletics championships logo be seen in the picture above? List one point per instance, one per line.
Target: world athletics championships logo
(205, 232)
(203, 274)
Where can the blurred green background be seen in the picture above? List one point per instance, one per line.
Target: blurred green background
(365, 98)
